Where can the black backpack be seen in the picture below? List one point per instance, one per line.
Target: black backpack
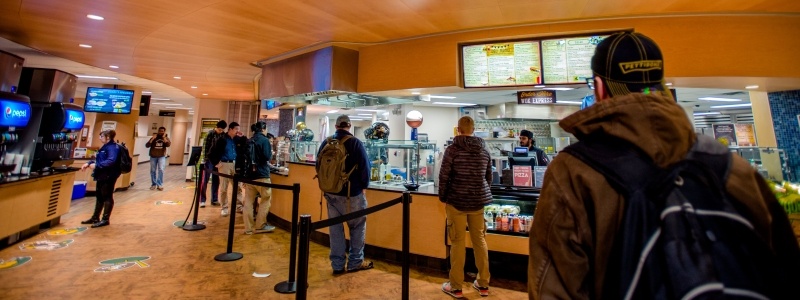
(681, 235)
(250, 166)
(124, 158)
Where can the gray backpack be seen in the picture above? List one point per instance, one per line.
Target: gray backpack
(331, 173)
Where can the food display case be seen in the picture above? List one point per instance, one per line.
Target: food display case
(772, 163)
(511, 212)
(303, 151)
(396, 162)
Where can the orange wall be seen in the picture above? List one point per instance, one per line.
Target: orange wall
(693, 46)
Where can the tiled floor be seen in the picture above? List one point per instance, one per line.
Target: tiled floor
(181, 263)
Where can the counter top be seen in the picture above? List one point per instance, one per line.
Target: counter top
(34, 176)
(303, 163)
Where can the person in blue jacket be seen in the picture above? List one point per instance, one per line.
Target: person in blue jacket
(106, 171)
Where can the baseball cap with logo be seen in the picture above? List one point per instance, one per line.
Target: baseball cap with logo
(630, 62)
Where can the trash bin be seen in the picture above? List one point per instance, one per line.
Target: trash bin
(78, 189)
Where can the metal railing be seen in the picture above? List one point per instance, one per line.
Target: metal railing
(305, 232)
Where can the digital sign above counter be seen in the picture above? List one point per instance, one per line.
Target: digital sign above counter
(111, 101)
(551, 60)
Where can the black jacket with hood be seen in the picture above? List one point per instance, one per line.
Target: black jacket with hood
(466, 174)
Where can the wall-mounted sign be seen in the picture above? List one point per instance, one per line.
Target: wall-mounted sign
(536, 97)
(745, 135)
(166, 113)
(501, 64)
(725, 134)
(108, 125)
(569, 60)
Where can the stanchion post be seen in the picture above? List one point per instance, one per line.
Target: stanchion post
(229, 255)
(197, 190)
(302, 263)
(290, 286)
(406, 243)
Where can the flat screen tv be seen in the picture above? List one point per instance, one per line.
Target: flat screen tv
(110, 101)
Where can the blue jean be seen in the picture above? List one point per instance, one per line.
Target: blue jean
(157, 165)
(337, 206)
(214, 183)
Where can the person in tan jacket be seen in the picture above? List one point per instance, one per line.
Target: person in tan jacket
(568, 261)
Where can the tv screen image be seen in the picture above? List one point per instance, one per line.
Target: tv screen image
(105, 100)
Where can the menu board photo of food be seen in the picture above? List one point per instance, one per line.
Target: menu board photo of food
(568, 60)
(502, 64)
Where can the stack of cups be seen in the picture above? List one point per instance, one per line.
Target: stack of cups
(8, 159)
(18, 161)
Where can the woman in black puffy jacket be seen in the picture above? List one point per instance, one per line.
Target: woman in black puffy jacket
(106, 171)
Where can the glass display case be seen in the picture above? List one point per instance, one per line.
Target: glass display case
(772, 163)
(511, 212)
(303, 151)
(396, 162)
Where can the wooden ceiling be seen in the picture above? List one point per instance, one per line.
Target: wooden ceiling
(212, 43)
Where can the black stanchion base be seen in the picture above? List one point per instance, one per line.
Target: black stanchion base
(193, 227)
(228, 256)
(285, 287)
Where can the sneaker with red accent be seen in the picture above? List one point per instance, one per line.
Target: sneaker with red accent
(483, 290)
(447, 289)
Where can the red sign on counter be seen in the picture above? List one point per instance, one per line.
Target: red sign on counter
(523, 176)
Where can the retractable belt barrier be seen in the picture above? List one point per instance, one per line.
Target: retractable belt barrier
(284, 287)
(305, 232)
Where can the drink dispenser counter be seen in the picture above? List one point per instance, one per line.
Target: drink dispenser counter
(61, 123)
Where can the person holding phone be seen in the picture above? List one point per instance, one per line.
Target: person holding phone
(158, 157)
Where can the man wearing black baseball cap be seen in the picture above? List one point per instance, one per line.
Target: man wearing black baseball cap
(526, 140)
(573, 254)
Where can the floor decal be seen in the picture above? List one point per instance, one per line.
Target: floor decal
(116, 264)
(45, 245)
(168, 202)
(14, 262)
(179, 223)
(66, 231)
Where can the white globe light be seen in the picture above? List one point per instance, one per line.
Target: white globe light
(414, 118)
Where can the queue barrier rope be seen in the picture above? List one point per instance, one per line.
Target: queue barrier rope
(284, 287)
(306, 226)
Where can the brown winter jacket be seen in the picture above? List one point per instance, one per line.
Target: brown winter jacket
(561, 239)
(466, 174)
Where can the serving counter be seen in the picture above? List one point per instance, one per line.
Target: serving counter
(384, 228)
(29, 201)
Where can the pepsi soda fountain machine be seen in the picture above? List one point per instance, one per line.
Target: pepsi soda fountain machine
(61, 123)
(16, 113)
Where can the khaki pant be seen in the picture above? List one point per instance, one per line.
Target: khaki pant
(251, 193)
(457, 222)
(225, 168)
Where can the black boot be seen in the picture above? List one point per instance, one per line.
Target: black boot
(101, 224)
(91, 221)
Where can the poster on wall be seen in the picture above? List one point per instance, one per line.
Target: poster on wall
(108, 125)
(725, 134)
(745, 135)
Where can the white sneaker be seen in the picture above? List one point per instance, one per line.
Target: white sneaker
(224, 212)
(202, 204)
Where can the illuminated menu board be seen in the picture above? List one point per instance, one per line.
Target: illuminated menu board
(568, 60)
(502, 64)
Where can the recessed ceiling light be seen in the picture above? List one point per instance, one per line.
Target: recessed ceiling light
(173, 104)
(113, 67)
(751, 87)
(669, 83)
(559, 89)
(205, 94)
(84, 45)
(177, 77)
(332, 111)
(95, 17)
(415, 93)
(442, 97)
(365, 115)
(719, 99)
(97, 77)
(706, 113)
(454, 103)
(194, 86)
(147, 92)
(539, 86)
(733, 105)
(162, 99)
(369, 110)
(568, 102)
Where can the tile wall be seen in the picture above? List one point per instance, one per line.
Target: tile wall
(785, 107)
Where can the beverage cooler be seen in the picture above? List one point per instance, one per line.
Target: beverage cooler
(61, 124)
(16, 114)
